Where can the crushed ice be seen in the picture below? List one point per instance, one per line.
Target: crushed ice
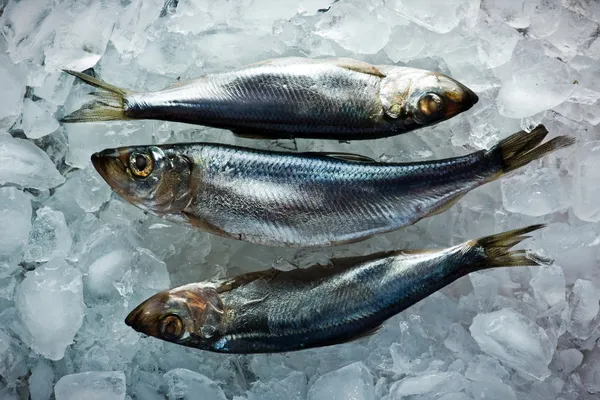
(74, 258)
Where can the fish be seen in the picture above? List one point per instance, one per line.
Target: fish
(303, 199)
(293, 97)
(275, 311)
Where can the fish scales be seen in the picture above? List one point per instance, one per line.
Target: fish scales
(303, 200)
(277, 311)
(340, 99)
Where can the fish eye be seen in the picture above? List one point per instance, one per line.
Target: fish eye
(171, 327)
(431, 104)
(141, 164)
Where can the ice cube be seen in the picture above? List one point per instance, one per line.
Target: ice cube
(573, 34)
(511, 12)
(435, 15)
(497, 42)
(95, 385)
(549, 285)
(293, 387)
(569, 360)
(86, 139)
(12, 359)
(15, 211)
(590, 371)
(83, 36)
(584, 307)
(188, 385)
(455, 396)
(12, 87)
(492, 391)
(340, 22)
(105, 272)
(353, 381)
(514, 340)
(485, 369)
(55, 88)
(91, 190)
(26, 165)
(536, 190)
(534, 83)
(440, 382)
(587, 171)
(49, 237)
(50, 304)
(41, 381)
(37, 121)
(544, 17)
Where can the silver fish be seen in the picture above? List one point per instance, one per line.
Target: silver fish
(340, 98)
(302, 200)
(274, 311)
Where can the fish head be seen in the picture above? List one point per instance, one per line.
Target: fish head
(154, 179)
(191, 315)
(435, 97)
(418, 98)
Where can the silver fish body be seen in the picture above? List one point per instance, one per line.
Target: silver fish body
(274, 311)
(298, 97)
(287, 199)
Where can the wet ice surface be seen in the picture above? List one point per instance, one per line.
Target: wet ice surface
(75, 259)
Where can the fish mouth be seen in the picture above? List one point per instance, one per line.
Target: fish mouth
(144, 318)
(111, 165)
(473, 96)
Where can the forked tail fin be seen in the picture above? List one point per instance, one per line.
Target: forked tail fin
(524, 147)
(108, 105)
(497, 249)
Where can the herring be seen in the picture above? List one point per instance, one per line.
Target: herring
(303, 200)
(341, 98)
(275, 311)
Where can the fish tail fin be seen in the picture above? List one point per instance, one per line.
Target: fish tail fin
(524, 147)
(109, 104)
(498, 253)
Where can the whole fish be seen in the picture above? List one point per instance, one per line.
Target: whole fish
(274, 311)
(295, 199)
(340, 98)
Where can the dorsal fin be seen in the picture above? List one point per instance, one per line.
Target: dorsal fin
(359, 66)
(342, 156)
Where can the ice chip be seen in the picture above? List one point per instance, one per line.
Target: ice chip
(83, 36)
(94, 385)
(56, 87)
(536, 190)
(37, 120)
(514, 340)
(340, 25)
(436, 15)
(492, 391)
(188, 385)
(49, 237)
(353, 381)
(293, 387)
(41, 381)
(569, 359)
(50, 303)
(105, 272)
(26, 165)
(12, 87)
(511, 12)
(584, 306)
(12, 359)
(535, 83)
(436, 382)
(91, 190)
(15, 211)
(587, 171)
(549, 284)
(485, 369)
